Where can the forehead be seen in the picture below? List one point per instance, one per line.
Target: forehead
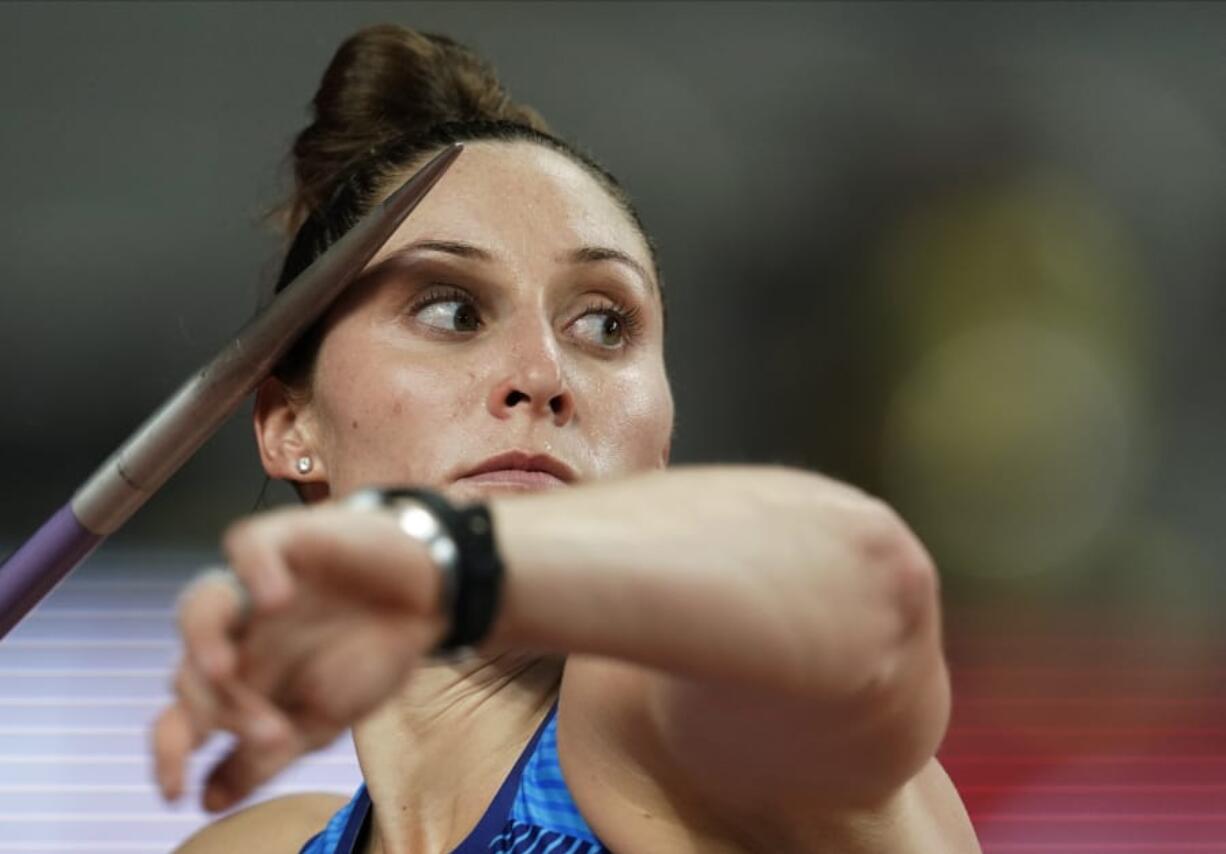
(521, 201)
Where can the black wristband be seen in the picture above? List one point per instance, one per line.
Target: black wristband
(479, 570)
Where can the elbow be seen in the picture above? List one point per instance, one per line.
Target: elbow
(913, 584)
(907, 593)
(875, 613)
(874, 610)
(906, 697)
(876, 665)
(890, 566)
(900, 578)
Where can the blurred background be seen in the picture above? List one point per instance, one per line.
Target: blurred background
(966, 256)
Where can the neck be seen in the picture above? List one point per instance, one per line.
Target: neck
(434, 757)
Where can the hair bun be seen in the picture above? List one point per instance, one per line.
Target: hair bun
(386, 82)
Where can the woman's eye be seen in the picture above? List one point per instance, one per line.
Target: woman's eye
(450, 314)
(604, 327)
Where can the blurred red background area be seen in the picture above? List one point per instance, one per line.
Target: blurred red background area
(1078, 732)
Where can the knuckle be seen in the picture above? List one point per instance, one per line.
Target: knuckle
(202, 598)
(238, 535)
(187, 604)
(279, 741)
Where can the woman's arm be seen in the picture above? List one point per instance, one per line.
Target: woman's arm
(788, 624)
(772, 605)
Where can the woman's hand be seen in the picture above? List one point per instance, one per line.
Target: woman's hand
(343, 605)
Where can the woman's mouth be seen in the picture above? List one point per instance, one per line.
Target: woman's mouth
(518, 470)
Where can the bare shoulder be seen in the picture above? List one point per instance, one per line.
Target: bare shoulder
(279, 825)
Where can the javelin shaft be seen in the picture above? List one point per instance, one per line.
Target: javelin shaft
(178, 428)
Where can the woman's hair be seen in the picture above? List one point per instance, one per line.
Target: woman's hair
(390, 97)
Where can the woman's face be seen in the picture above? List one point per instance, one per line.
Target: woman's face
(515, 310)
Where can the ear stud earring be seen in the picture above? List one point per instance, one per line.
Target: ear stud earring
(304, 465)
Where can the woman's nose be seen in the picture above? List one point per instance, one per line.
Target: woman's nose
(534, 382)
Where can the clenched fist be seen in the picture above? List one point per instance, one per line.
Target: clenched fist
(342, 606)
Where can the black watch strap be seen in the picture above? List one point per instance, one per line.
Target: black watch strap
(479, 570)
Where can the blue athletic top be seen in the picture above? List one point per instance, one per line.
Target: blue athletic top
(533, 812)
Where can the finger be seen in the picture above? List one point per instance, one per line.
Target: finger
(267, 742)
(173, 737)
(211, 611)
(245, 768)
(254, 548)
(199, 698)
(228, 705)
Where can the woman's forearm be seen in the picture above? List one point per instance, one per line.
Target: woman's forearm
(759, 576)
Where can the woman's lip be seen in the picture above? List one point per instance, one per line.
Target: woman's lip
(515, 477)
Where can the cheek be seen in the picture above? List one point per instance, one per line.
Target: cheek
(636, 416)
(387, 421)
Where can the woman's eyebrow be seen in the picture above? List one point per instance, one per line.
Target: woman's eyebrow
(404, 255)
(596, 254)
(469, 251)
(448, 247)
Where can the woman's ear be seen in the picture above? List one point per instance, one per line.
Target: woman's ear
(286, 436)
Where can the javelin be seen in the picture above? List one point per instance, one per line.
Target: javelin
(177, 429)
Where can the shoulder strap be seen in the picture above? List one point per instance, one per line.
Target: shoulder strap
(340, 835)
(495, 818)
(356, 824)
